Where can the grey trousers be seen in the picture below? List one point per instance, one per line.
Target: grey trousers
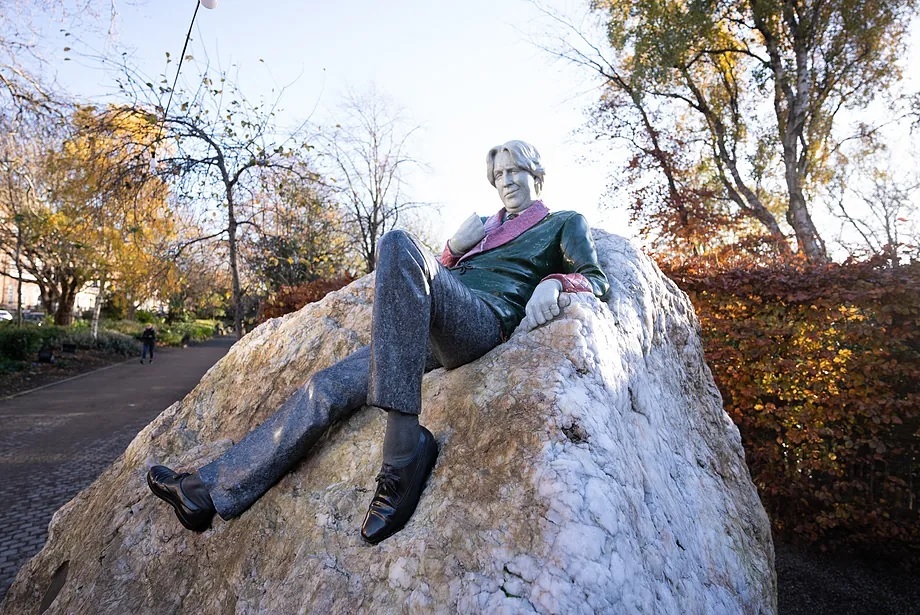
(423, 317)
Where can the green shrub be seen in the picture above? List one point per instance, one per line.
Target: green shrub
(196, 331)
(20, 344)
(113, 341)
(169, 337)
(54, 334)
(144, 317)
(127, 327)
(117, 336)
(108, 341)
(9, 366)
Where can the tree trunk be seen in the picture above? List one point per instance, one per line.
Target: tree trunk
(790, 96)
(97, 308)
(63, 316)
(806, 234)
(18, 274)
(47, 302)
(738, 191)
(48, 295)
(234, 269)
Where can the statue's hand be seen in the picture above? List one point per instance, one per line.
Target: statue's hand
(544, 303)
(468, 235)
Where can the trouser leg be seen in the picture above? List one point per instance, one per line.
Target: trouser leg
(241, 475)
(417, 302)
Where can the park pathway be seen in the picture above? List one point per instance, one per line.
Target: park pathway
(56, 440)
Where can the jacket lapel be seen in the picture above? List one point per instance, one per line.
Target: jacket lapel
(498, 234)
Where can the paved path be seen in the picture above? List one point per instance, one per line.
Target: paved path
(56, 440)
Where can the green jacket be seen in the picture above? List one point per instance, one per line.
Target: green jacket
(506, 276)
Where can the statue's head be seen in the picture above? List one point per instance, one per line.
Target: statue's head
(514, 168)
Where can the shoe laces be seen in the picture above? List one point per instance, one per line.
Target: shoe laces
(387, 477)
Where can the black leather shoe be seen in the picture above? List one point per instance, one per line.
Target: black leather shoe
(186, 494)
(398, 492)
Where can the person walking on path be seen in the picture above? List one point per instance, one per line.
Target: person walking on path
(149, 338)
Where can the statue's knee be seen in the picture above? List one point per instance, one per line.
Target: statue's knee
(395, 244)
(397, 236)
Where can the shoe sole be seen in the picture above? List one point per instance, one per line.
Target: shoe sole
(397, 528)
(164, 495)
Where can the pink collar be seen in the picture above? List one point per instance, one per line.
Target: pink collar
(498, 234)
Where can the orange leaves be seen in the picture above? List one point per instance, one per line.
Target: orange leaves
(820, 369)
(291, 298)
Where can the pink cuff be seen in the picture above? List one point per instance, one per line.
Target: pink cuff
(448, 259)
(571, 282)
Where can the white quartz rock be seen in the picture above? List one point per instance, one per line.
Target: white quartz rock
(586, 466)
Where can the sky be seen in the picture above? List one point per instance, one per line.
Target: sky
(470, 74)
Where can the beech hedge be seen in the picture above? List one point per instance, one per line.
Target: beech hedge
(819, 366)
(289, 299)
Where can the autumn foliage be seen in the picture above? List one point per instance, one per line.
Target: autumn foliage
(289, 299)
(820, 369)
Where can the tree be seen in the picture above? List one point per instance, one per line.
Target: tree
(693, 79)
(367, 158)
(34, 117)
(20, 156)
(88, 208)
(877, 202)
(22, 57)
(45, 238)
(108, 165)
(20, 88)
(218, 149)
(301, 237)
(202, 284)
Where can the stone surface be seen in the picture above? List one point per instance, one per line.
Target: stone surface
(586, 466)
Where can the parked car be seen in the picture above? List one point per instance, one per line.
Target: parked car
(34, 317)
(5, 315)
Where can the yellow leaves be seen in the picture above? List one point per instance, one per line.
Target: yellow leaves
(843, 356)
(105, 212)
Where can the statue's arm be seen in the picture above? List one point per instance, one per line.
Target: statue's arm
(448, 258)
(468, 235)
(581, 271)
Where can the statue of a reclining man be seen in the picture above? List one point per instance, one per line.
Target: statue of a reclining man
(427, 312)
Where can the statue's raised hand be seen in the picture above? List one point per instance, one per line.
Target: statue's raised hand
(544, 303)
(468, 235)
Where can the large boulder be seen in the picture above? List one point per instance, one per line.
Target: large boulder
(586, 466)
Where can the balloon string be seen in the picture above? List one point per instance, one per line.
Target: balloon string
(188, 37)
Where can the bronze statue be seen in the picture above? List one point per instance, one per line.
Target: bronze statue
(428, 312)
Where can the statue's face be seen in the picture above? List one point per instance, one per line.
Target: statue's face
(515, 186)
